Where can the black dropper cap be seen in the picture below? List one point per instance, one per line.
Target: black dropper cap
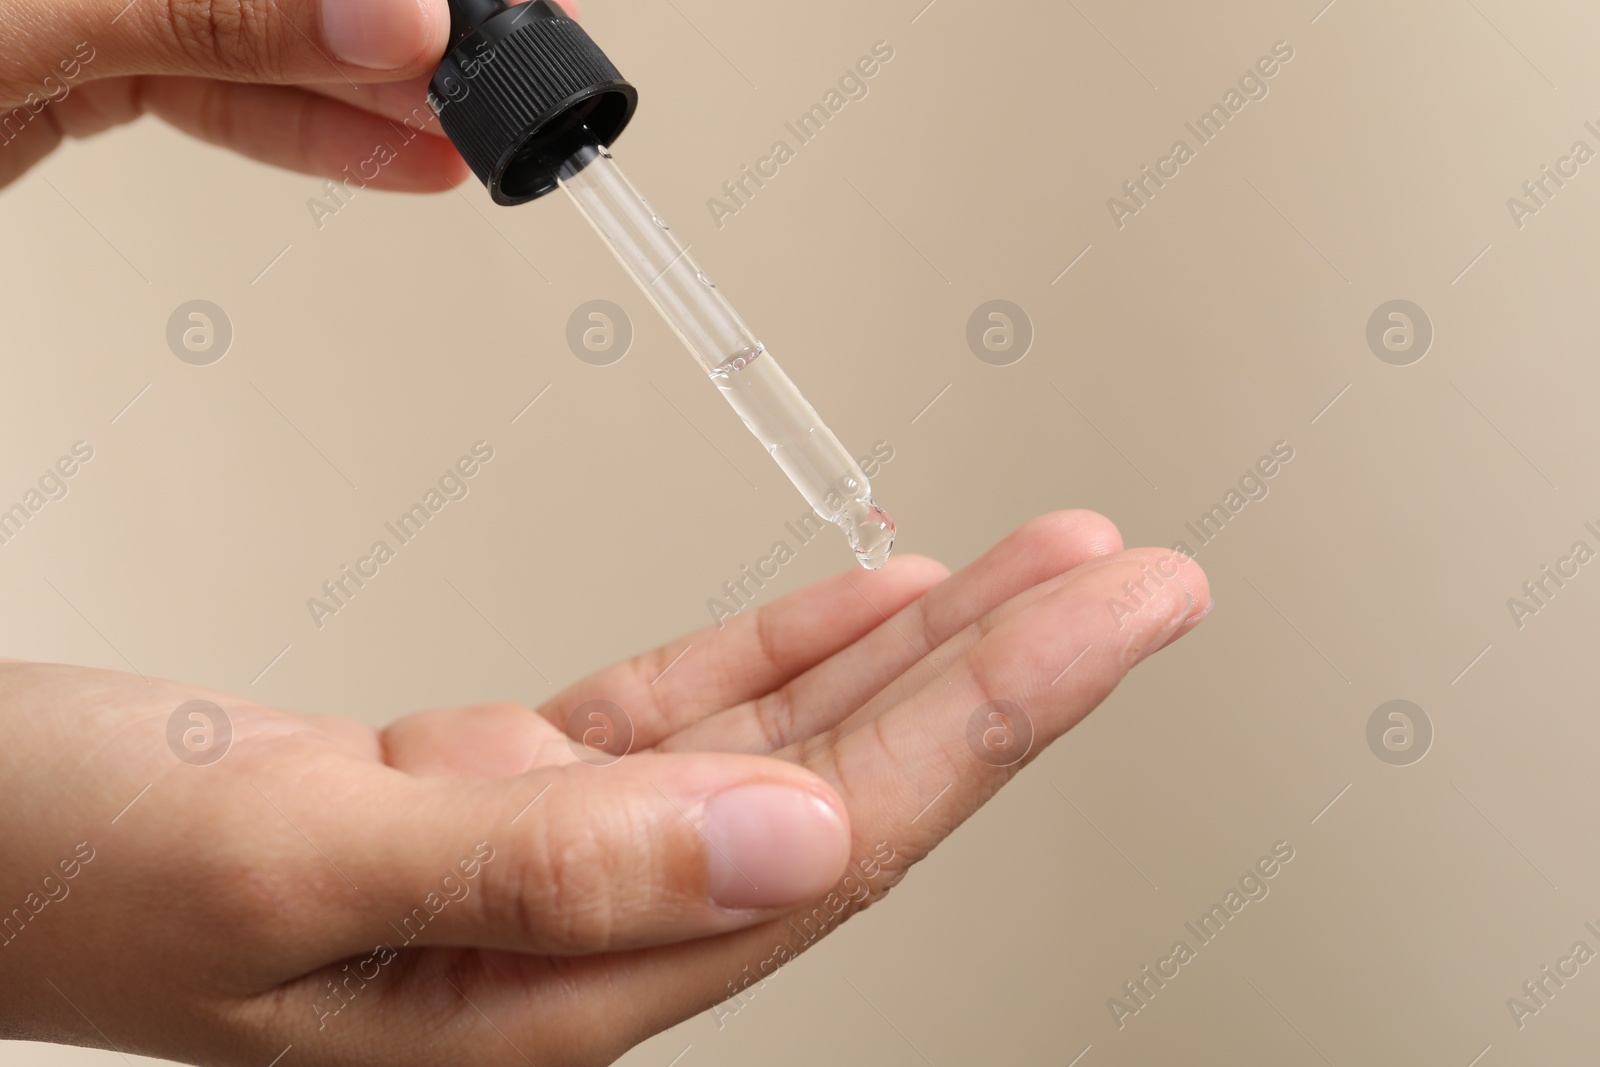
(521, 90)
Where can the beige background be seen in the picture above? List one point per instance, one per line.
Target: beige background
(1224, 317)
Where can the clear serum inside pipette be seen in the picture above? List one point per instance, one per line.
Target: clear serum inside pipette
(530, 101)
(747, 375)
(788, 426)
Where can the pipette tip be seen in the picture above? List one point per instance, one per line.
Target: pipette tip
(871, 533)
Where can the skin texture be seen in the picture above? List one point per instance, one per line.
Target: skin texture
(216, 908)
(262, 77)
(462, 886)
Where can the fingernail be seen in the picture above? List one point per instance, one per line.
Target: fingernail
(1141, 645)
(771, 846)
(375, 34)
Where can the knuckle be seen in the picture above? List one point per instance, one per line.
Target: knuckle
(819, 754)
(774, 719)
(565, 884)
(933, 626)
(766, 641)
(216, 117)
(222, 34)
(995, 667)
(813, 752)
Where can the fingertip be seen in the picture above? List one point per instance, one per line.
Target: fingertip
(427, 165)
(382, 36)
(1199, 587)
(1149, 596)
(914, 569)
(1163, 565)
(1159, 623)
(773, 834)
(1097, 535)
(437, 13)
(1197, 615)
(774, 845)
(496, 740)
(1062, 540)
(1196, 583)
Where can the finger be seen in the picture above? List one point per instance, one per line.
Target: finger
(1157, 566)
(403, 101)
(751, 653)
(271, 41)
(485, 741)
(300, 130)
(400, 101)
(581, 859)
(37, 140)
(495, 1009)
(820, 698)
(1090, 618)
(888, 774)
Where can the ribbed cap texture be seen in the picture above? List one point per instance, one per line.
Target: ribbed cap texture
(539, 65)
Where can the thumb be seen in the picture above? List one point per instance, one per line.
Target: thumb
(583, 859)
(271, 41)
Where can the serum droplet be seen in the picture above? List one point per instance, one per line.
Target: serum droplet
(870, 531)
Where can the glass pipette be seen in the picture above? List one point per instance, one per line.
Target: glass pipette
(532, 104)
(746, 373)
